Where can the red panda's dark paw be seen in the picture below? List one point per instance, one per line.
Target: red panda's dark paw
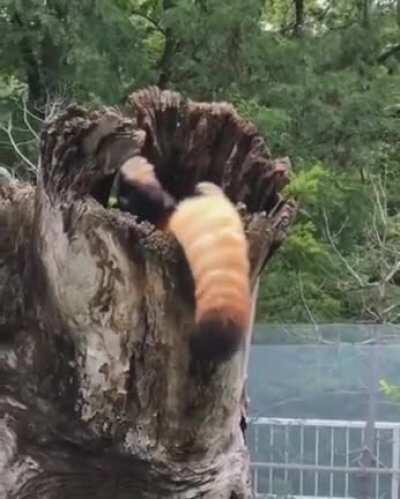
(216, 341)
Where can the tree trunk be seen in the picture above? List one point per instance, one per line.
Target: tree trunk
(398, 12)
(365, 6)
(299, 17)
(168, 53)
(99, 397)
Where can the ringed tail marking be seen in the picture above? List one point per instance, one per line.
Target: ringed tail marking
(210, 231)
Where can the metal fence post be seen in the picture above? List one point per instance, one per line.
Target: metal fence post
(255, 484)
(387, 472)
(395, 462)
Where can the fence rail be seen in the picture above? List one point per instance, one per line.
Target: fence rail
(320, 458)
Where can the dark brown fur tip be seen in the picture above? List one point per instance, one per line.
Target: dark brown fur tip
(146, 201)
(215, 340)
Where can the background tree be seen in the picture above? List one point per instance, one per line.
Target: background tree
(328, 98)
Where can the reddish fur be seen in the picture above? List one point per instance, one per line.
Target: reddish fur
(141, 193)
(211, 234)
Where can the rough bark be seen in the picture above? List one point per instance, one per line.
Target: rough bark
(98, 393)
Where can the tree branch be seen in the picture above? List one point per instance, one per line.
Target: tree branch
(151, 20)
(339, 254)
(8, 130)
(388, 52)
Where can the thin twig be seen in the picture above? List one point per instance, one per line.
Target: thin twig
(150, 20)
(8, 131)
(26, 120)
(308, 310)
(339, 254)
(392, 272)
(342, 227)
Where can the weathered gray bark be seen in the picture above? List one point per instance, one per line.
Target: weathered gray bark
(98, 394)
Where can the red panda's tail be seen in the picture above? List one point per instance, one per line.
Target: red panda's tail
(211, 234)
(216, 340)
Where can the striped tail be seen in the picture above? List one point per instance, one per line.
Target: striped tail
(211, 234)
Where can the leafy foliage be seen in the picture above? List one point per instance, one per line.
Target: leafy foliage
(322, 83)
(391, 391)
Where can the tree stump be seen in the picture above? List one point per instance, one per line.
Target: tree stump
(99, 397)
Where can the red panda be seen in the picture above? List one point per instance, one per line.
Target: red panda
(211, 233)
(141, 194)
